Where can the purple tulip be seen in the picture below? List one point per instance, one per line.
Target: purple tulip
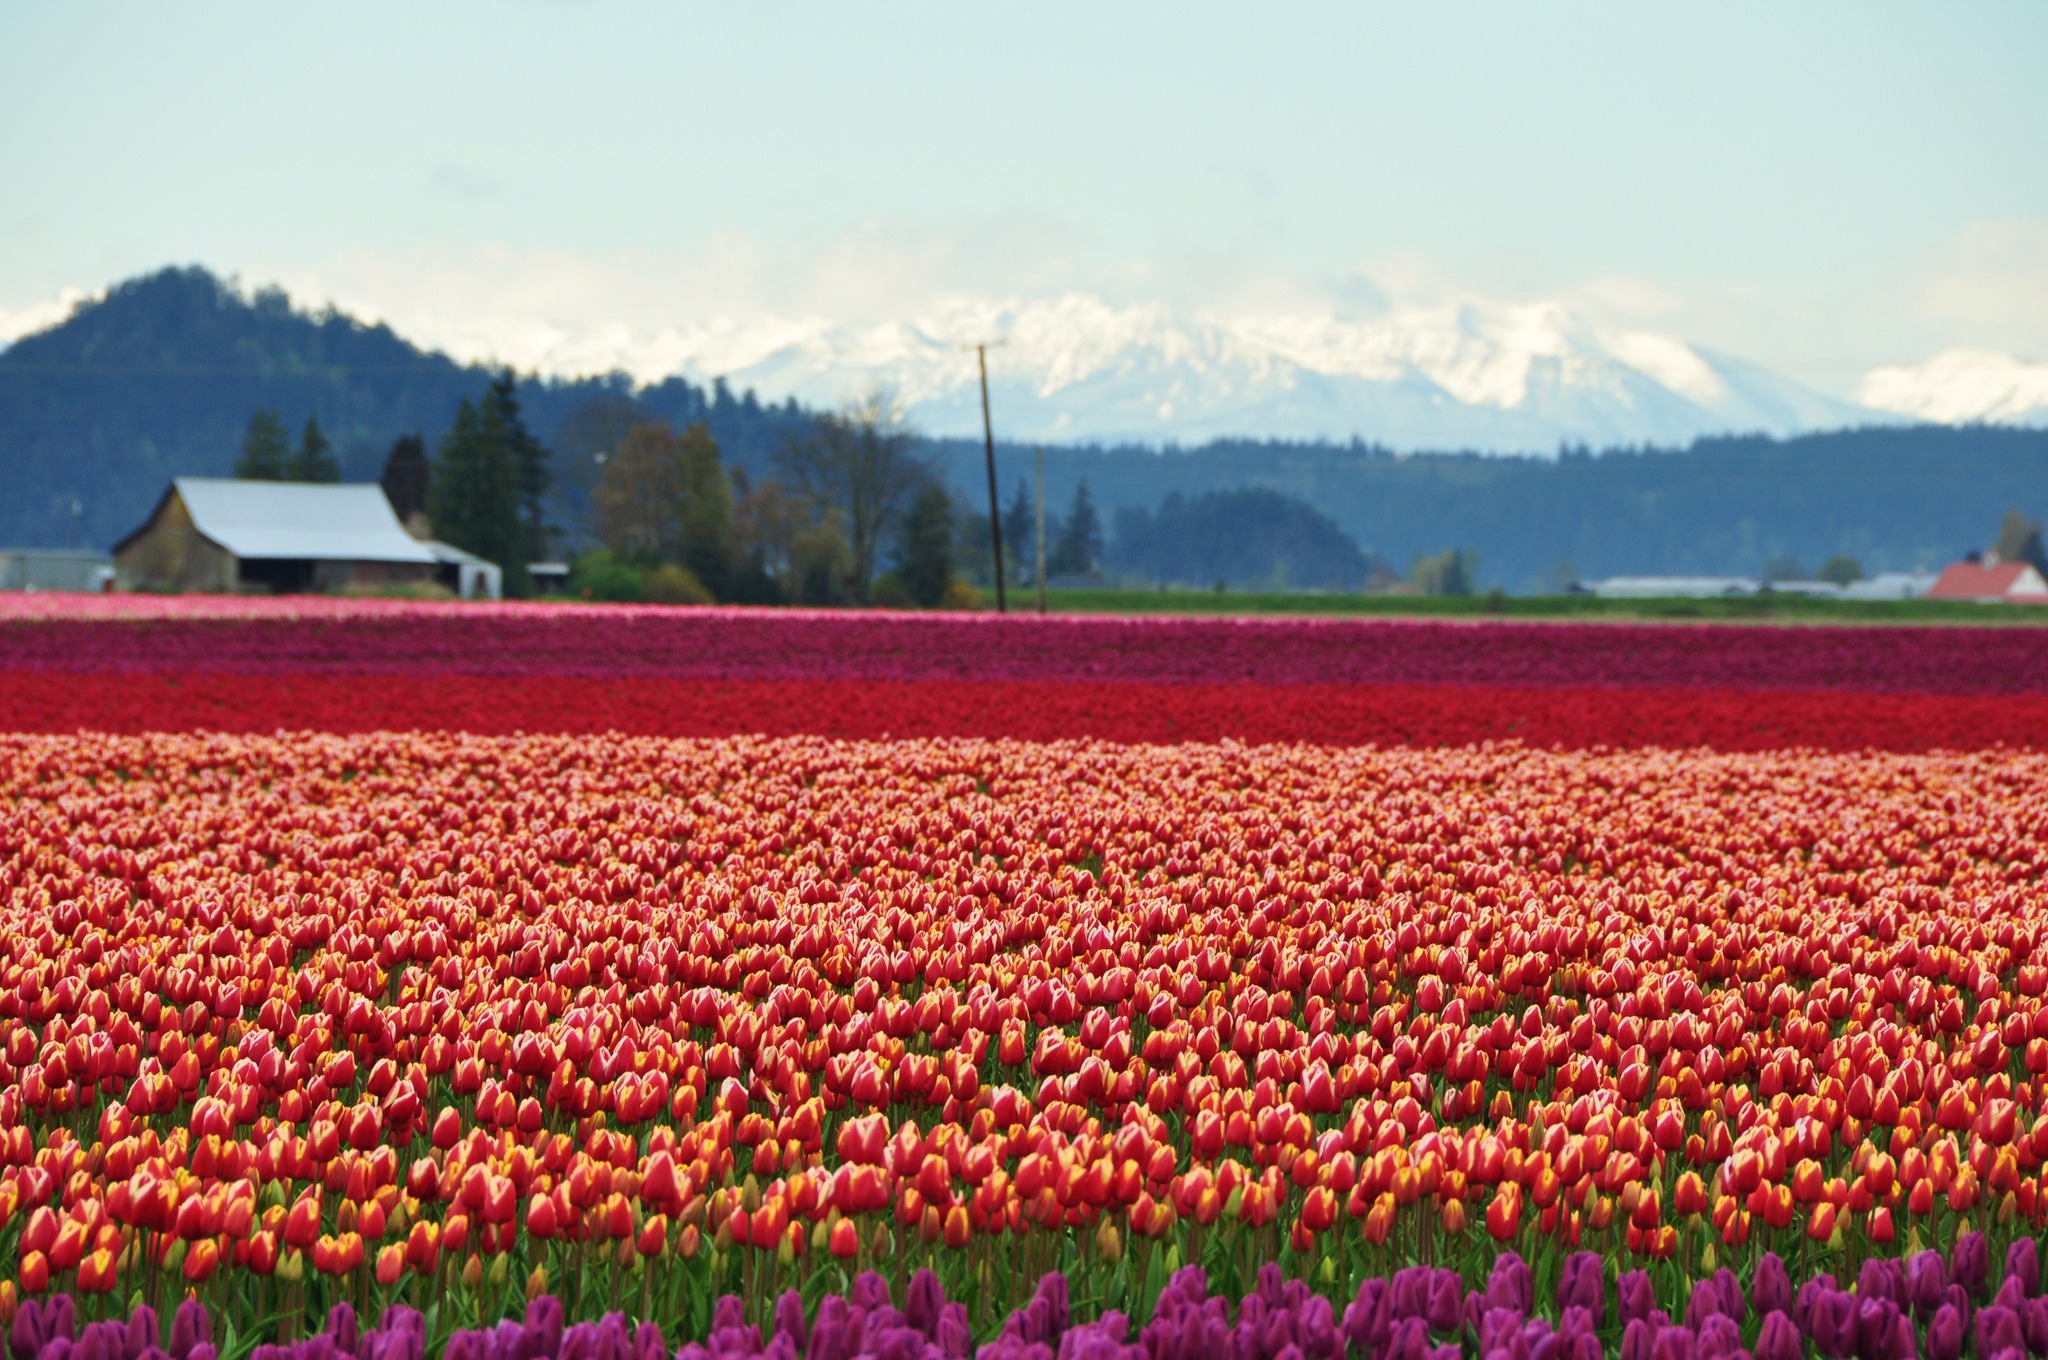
(1718, 1337)
(1876, 1328)
(1705, 1303)
(2023, 1263)
(1970, 1263)
(1511, 1285)
(1770, 1290)
(1410, 1341)
(1999, 1329)
(1673, 1343)
(25, 1334)
(1446, 1303)
(1833, 1327)
(1637, 1295)
(1367, 1321)
(1583, 1284)
(1959, 1298)
(2034, 1322)
(1410, 1291)
(1778, 1338)
(1638, 1339)
(1945, 1334)
(1497, 1329)
(1926, 1282)
(1877, 1281)
(870, 1291)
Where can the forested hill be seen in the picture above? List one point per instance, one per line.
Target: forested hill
(1895, 498)
(159, 378)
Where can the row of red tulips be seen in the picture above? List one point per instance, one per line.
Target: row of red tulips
(1432, 715)
(289, 636)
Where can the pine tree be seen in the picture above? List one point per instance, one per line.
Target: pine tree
(315, 461)
(531, 457)
(475, 496)
(407, 477)
(924, 546)
(1079, 549)
(266, 449)
(1020, 526)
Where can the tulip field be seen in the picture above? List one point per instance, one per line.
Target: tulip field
(386, 981)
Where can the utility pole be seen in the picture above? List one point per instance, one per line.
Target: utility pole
(995, 514)
(1041, 529)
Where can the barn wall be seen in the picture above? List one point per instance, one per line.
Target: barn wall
(171, 555)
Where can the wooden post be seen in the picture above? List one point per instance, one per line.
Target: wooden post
(1041, 528)
(995, 513)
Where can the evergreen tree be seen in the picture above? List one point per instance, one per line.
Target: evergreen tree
(1078, 550)
(315, 460)
(407, 477)
(1020, 530)
(265, 449)
(2019, 540)
(530, 455)
(474, 500)
(924, 546)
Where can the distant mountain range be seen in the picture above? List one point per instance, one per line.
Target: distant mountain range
(1484, 377)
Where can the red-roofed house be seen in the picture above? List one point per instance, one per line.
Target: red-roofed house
(2011, 582)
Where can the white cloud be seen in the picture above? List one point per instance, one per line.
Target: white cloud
(1961, 385)
(1992, 281)
(37, 316)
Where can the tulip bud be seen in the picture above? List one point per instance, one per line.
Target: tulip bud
(291, 1267)
(1109, 1242)
(691, 1241)
(1708, 1259)
(472, 1271)
(537, 1283)
(498, 1273)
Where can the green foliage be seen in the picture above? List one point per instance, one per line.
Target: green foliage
(666, 499)
(1784, 569)
(474, 499)
(601, 575)
(924, 547)
(1840, 570)
(266, 452)
(1451, 572)
(861, 463)
(672, 583)
(314, 461)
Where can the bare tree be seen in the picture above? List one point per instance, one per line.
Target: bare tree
(859, 462)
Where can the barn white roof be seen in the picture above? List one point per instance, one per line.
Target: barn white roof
(316, 521)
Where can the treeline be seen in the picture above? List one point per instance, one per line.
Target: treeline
(847, 514)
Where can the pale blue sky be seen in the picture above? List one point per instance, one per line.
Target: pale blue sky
(1815, 186)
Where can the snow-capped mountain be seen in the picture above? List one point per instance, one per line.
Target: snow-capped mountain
(1962, 385)
(1500, 377)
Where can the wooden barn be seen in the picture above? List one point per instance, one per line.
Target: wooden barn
(218, 534)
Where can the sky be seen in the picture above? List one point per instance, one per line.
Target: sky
(1819, 188)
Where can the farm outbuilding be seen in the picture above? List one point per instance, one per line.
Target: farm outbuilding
(218, 534)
